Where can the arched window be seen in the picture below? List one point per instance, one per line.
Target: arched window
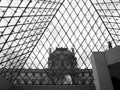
(68, 79)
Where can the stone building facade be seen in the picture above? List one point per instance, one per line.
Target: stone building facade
(62, 69)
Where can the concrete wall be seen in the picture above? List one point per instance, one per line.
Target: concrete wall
(4, 84)
(113, 55)
(101, 72)
(115, 70)
(54, 87)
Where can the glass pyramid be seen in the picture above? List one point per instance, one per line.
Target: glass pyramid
(29, 28)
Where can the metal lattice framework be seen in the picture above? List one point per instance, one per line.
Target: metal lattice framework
(109, 12)
(22, 24)
(28, 28)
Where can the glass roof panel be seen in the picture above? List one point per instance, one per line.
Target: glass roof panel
(109, 12)
(22, 23)
(76, 25)
(29, 28)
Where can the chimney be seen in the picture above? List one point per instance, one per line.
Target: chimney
(50, 50)
(72, 50)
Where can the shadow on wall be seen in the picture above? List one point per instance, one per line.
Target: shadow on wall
(4, 84)
(116, 83)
